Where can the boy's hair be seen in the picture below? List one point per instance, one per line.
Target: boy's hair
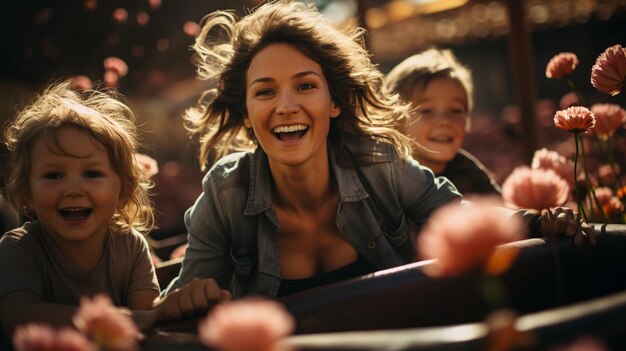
(420, 69)
(354, 82)
(105, 118)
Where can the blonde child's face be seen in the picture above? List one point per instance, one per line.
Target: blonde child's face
(289, 106)
(439, 121)
(73, 191)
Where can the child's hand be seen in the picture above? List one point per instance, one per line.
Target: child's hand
(193, 299)
(563, 220)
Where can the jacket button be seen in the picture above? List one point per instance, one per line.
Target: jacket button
(371, 244)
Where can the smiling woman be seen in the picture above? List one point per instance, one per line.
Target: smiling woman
(295, 209)
(324, 187)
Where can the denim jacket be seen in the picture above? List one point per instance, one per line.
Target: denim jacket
(233, 227)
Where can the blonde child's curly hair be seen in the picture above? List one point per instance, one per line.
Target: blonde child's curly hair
(104, 117)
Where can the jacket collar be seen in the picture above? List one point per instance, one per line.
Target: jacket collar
(260, 190)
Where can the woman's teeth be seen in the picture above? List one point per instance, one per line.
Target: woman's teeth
(290, 129)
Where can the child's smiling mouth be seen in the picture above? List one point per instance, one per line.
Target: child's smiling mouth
(75, 213)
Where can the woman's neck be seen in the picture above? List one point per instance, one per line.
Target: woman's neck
(302, 188)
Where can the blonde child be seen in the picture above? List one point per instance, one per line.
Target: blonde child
(439, 89)
(74, 172)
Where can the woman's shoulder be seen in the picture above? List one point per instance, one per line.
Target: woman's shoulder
(369, 150)
(231, 167)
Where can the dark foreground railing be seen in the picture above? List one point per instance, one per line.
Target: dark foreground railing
(402, 309)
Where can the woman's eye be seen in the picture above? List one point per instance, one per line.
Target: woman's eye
(263, 92)
(306, 86)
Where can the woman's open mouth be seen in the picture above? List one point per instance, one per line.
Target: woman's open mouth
(290, 133)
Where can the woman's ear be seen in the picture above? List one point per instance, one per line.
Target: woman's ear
(247, 123)
(335, 111)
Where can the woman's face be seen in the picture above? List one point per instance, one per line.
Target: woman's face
(439, 121)
(289, 105)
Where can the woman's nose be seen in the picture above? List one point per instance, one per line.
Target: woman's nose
(287, 104)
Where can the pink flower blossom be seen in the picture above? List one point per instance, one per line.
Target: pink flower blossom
(607, 175)
(610, 204)
(609, 72)
(536, 189)
(568, 100)
(116, 65)
(575, 119)
(247, 324)
(81, 82)
(111, 79)
(547, 159)
(154, 4)
(106, 324)
(609, 118)
(464, 237)
(39, 337)
(561, 65)
(191, 28)
(147, 165)
(120, 15)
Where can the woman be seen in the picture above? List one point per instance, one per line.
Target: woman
(330, 189)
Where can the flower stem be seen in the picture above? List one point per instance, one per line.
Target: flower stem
(581, 98)
(590, 188)
(611, 158)
(581, 208)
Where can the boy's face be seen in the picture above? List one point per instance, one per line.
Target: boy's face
(73, 189)
(438, 123)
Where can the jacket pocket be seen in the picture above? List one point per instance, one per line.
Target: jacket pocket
(396, 235)
(242, 271)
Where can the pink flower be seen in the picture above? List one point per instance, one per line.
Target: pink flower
(547, 159)
(39, 337)
(147, 165)
(561, 65)
(536, 189)
(247, 324)
(120, 15)
(116, 65)
(464, 237)
(106, 324)
(606, 174)
(610, 204)
(81, 82)
(191, 28)
(609, 72)
(575, 119)
(568, 100)
(609, 118)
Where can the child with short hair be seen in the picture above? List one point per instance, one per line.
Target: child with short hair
(75, 173)
(440, 90)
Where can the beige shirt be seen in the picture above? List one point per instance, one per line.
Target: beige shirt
(29, 261)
